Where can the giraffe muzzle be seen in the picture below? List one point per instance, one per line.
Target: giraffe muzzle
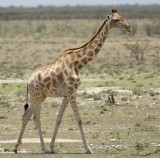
(128, 28)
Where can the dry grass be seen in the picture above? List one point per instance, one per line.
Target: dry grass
(129, 129)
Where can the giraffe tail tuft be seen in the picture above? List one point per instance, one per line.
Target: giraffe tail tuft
(26, 105)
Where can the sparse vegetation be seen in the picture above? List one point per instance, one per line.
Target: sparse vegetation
(152, 29)
(129, 128)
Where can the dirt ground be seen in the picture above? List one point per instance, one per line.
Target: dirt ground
(129, 128)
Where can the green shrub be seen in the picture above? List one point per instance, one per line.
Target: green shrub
(138, 91)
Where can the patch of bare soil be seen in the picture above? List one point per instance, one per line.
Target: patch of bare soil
(13, 81)
(37, 140)
(99, 89)
(32, 140)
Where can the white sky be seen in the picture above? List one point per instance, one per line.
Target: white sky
(4, 3)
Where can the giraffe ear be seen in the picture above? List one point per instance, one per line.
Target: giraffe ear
(114, 11)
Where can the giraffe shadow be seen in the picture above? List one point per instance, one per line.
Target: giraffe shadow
(41, 153)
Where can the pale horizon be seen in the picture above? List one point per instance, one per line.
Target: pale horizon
(35, 3)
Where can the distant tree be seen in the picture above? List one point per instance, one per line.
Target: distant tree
(138, 49)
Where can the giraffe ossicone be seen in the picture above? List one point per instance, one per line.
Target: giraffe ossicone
(61, 79)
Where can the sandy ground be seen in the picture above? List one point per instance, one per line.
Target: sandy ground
(33, 140)
(37, 140)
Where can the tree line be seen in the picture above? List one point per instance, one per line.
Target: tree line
(78, 12)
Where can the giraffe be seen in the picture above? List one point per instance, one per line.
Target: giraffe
(61, 79)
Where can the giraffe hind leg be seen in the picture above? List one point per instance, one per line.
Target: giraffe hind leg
(26, 116)
(37, 121)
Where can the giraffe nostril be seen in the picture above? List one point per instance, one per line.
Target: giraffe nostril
(128, 28)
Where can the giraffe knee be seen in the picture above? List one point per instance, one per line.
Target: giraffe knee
(59, 123)
(80, 122)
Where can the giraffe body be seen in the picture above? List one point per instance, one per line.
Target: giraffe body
(53, 80)
(61, 79)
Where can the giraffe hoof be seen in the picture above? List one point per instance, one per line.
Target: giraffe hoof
(53, 152)
(47, 152)
(15, 151)
(89, 151)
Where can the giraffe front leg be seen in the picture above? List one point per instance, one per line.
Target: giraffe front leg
(58, 121)
(72, 100)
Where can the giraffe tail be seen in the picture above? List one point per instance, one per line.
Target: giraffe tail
(26, 105)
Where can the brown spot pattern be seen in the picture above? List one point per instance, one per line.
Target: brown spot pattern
(60, 77)
(79, 66)
(90, 53)
(84, 61)
(78, 55)
(54, 82)
(46, 79)
(48, 85)
(58, 69)
(89, 58)
(76, 62)
(52, 73)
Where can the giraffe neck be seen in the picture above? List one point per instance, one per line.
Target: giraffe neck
(87, 52)
(96, 44)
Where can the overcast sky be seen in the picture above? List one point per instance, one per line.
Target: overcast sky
(34, 3)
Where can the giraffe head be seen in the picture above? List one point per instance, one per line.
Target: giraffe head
(119, 22)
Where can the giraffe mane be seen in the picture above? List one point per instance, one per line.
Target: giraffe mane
(70, 49)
